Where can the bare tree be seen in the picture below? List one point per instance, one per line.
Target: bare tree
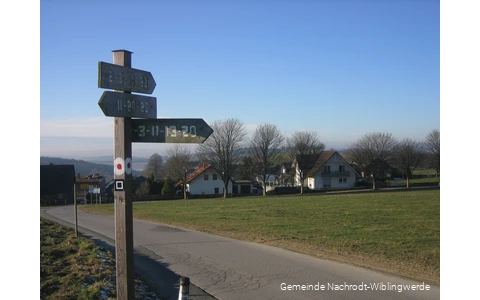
(373, 151)
(143, 189)
(178, 164)
(407, 156)
(304, 148)
(154, 167)
(247, 169)
(265, 150)
(223, 148)
(432, 145)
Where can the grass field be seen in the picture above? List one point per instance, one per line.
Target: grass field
(397, 232)
(74, 268)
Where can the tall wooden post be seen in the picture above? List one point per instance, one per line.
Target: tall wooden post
(123, 196)
(75, 208)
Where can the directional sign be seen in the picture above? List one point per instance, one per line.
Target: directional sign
(170, 131)
(125, 79)
(116, 104)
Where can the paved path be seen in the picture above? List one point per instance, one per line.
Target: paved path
(232, 269)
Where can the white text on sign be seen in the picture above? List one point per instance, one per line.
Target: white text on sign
(131, 106)
(169, 131)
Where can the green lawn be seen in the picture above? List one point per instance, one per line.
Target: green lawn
(397, 232)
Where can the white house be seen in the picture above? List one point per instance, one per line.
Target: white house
(331, 170)
(205, 181)
(271, 181)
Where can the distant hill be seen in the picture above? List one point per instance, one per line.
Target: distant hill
(81, 166)
(109, 159)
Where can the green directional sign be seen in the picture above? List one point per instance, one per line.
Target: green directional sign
(117, 104)
(194, 131)
(125, 79)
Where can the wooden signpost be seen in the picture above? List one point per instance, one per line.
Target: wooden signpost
(123, 106)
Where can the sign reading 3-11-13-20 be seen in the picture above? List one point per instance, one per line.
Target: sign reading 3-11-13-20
(170, 131)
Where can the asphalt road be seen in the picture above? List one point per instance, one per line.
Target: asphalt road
(232, 269)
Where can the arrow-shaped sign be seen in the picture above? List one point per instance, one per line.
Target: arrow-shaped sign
(170, 131)
(125, 79)
(116, 104)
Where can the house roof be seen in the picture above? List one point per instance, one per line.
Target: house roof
(92, 178)
(322, 159)
(307, 160)
(195, 173)
(88, 180)
(289, 168)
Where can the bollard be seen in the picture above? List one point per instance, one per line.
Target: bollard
(184, 288)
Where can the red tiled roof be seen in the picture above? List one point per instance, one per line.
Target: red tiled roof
(195, 173)
(88, 180)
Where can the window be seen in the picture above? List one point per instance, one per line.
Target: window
(205, 177)
(341, 168)
(342, 180)
(326, 169)
(216, 190)
(214, 177)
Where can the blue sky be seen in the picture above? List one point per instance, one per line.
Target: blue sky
(340, 68)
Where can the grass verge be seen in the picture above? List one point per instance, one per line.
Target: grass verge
(75, 268)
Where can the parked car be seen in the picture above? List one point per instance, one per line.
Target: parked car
(363, 182)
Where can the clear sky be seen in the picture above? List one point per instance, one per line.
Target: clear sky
(340, 68)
